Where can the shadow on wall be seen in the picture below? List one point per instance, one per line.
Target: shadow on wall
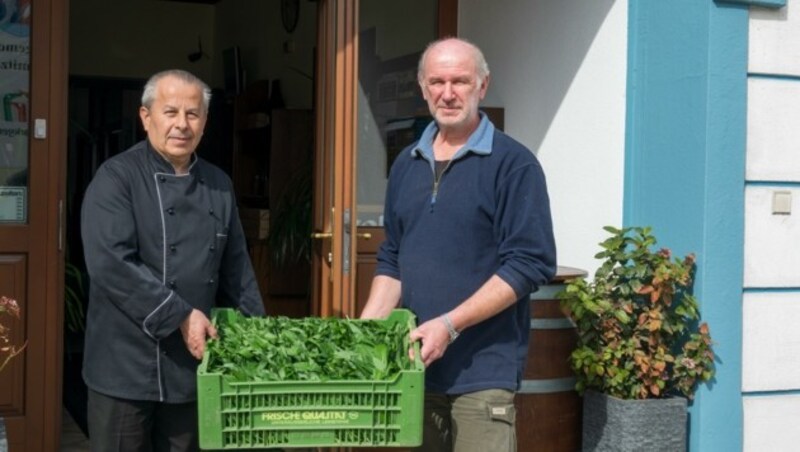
(545, 43)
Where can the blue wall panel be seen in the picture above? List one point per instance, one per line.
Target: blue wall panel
(684, 176)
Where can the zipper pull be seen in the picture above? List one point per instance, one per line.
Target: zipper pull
(433, 195)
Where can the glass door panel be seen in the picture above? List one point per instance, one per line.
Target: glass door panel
(15, 50)
(391, 111)
(367, 108)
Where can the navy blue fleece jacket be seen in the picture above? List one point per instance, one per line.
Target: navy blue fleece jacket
(489, 215)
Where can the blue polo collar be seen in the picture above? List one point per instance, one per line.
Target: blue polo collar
(480, 142)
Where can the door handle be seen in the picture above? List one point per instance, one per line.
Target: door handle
(322, 235)
(364, 235)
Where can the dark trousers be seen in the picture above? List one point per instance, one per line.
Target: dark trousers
(121, 425)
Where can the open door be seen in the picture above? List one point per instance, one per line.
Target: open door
(337, 47)
(361, 95)
(33, 51)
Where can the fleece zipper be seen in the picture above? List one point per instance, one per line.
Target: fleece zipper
(436, 181)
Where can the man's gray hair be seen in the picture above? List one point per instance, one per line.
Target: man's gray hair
(481, 65)
(149, 93)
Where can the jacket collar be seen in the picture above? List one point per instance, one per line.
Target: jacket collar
(161, 164)
(480, 142)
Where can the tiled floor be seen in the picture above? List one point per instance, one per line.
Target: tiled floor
(72, 438)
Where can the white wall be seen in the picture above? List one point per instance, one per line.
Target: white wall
(772, 138)
(559, 70)
(770, 342)
(771, 240)
(770, 338)
(770, 423)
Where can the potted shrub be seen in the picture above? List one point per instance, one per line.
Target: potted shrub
(8, 309)
(641, 350)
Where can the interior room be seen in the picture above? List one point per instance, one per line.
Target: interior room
(258, 57)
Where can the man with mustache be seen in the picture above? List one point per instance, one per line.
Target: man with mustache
(163, 245)
(468, 238)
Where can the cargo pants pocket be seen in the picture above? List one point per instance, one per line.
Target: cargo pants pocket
(502, 412)
(484, 421)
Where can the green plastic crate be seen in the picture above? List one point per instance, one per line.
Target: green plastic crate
(244, 415)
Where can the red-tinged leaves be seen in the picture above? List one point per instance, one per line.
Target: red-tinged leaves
(655, 325)
(662, 351)
(655, 390)
(8, 308)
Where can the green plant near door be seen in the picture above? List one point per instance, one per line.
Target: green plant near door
(290, 225)
(74, 298)
(638, 322)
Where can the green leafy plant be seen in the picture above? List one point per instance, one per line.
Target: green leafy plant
(309, 349)
(8, 309)
(639, 335)
(74, 295)
(290, 226)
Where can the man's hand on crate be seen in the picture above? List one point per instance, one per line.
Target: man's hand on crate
(435, 339)
(195, 329)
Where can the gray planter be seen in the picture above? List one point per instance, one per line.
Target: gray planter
(612, 424)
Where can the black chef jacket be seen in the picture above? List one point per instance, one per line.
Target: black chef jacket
(157, 245)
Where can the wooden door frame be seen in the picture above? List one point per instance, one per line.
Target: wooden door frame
(447, 18)
(334, 287)
(335, 109)
(36, 248)
(50, 57)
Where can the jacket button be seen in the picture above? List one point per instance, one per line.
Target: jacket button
(171, 211)
(211, 281)
(212, 248)
(202, 180)
(172, 284)
(211, 211)
(173, 249)
(162, 178)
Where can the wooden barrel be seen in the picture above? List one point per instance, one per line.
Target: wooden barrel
(548, 408)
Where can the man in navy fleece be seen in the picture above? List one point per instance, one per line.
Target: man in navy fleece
(468, 238)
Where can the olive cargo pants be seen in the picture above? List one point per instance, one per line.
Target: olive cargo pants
(474, 422)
